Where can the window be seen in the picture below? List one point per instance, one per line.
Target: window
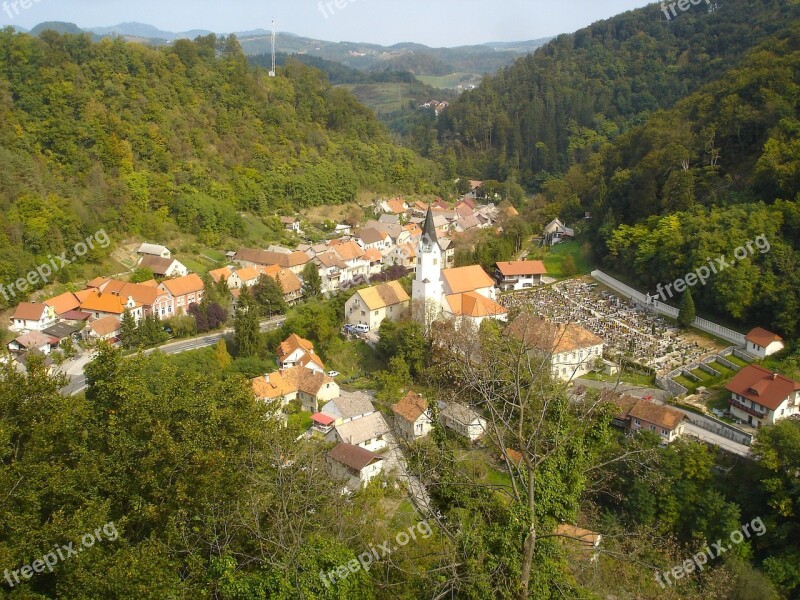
(652, 427)
(664, 432)
(637, 421)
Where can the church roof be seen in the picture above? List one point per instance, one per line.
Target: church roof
(429, 229)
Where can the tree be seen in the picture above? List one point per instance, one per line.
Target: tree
(141, 274)
(221, 355)
(568, 266)
(128, 331)
(312, 282)
(246, 326)
(686, 314)
(269, 295)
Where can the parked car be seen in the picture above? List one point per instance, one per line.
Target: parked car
(333, 373)
(361, 328)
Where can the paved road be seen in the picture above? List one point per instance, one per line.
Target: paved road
(78, 379)
(709, 437)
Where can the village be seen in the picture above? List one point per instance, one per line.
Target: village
(592, 335)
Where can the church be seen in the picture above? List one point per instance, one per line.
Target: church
(463, 292)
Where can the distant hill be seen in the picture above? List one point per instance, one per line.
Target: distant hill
(143, 30)
(57, 26)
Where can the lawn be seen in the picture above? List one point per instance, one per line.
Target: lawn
(704, 377)
(726, 372)
(736, 360)
(553, 259)
(299, 421)
(356, 361)
(450, 82)
(685, 382)
(625, 377)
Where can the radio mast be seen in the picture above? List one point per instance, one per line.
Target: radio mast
(272, 71)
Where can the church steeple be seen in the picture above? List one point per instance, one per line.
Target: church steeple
(427, 285)
(429, 229)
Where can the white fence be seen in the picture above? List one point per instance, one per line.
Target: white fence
(667, 310)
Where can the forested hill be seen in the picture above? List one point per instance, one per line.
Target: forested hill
(551, 108)
(125, 136)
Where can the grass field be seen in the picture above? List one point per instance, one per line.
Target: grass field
(381, 97)
(554, 258)
(450, 82)
(625, 377)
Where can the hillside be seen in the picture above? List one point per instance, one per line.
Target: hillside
(553, 107)
(144, 141)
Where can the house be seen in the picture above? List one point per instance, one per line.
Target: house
(291, 224)
(762, 343)
(61, 331)
(463, 420)
(331, 269)
(294, 261)
(291, 285)
(375, 259)
(389, 219)
(295, 351)
(147, 298)
(185, 291)
(368, 432)
(637, 414)
(519, 274)
(343, 229)
(404, 255)
(571, 350)
(370, 306)
(412, 417)
(393, 207)
(100, 304)
(348, 407)
(355, 465)
(312, 388)
(33, 340)
(32, 316)
(154, 250)
(222, 274)
(63, 303)
(106, 328)
(372, 238)
(163, 267)
(248, 276)
(587, 541)
(556, 232)
(448, 252)
(761, 397)
(474, 189)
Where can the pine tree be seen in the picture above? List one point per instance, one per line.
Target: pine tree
(128, 333)
(221, 355)
(686, 312)
(312, 282)
(246, 325)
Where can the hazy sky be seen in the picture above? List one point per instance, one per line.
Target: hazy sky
(431, 22)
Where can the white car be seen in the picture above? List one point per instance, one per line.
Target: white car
(333, 373)
(361, 328)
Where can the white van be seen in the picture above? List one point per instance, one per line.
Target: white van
(361, 328)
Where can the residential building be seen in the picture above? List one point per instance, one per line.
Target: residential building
(294, 261)
(148, 298)
(369, 432)
(163, 267)
(32, 316)
(185, 291)
(64, 303)
(354, 464)
(33, 341)
(312, 388)
(393, 207)
(291, 285)
(762, 397)
(637, 414)
(762, 343)
(519, 274)
(374, 239)
(463, 420)
(349, 406)
(100, 304)
(370, 306)
(570, 350)
(291, 224)
(412, 416)
(105, 329)
(295, 351)
(556, 232)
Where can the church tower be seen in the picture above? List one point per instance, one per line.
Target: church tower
(426, 290)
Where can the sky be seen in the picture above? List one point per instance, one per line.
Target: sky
(431, 22)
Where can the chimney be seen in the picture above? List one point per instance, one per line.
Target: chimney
(774, 376)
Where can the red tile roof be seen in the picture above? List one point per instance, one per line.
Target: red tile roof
(352, 456)
(522, 267)
(762, 337)
(762, 386)
(410, 407)
(29, 311)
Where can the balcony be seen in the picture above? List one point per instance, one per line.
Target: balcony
(747, 409)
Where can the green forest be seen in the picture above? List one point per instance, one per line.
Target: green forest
(136, 140)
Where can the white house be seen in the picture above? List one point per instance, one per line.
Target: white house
(519, 274)
(32, 341)
(412, 416)
(350, 406)
(371, 238)
(463, 420)
(355, 465)
(556, 232)
(291, 224)
(30, 316)
(312, 388)
(762, 343)
(368, 432)
(163, 267)
(761, 397)
(370, 306)
(571, 350)
(295, 351)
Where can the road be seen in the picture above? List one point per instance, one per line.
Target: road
(78, 378)
(709, 437)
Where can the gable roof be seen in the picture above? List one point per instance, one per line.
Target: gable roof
(290, 283)
(156, 249)
(349, 405)
(63, 303)
(35, 339)
(762, 337)
(221, 274)
(363, 429)
(537, 332)
(461, 413)
(383, 295)
(296, 379)
(659, 415)
(472, 304)
(762, 386)
(291, 344)
(466, 279)
(410, 407)
(29, 311)
(397, 205)
(349, 250)
(158, 265)
(107, 303)
(521, 267)
(145, 295)
(354, 457)
(105, 326)
(181, 286)
(372, 236)
(247, 274)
